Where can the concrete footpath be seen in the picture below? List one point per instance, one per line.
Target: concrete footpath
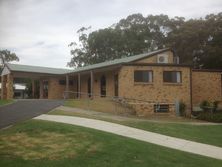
(155, 138)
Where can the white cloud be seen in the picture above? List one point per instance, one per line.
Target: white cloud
(39, 31)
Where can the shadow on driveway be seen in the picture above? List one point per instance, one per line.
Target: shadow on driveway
(25, 109)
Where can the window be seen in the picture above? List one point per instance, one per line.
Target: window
(172, 76)
(62, 82)
(143, 76)
(161, 108)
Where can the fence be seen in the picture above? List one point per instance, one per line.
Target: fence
(118, 105)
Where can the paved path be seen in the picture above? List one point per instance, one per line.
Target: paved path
(25, 109)
(155, 138)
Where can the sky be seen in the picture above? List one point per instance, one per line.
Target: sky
(39, 31)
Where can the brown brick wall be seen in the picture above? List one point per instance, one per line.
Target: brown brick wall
(3, 89)
(9, 86)
(55, 90)
(156, 91)
(206, 86)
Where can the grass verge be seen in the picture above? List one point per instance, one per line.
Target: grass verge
(55, 144)
(4, 102)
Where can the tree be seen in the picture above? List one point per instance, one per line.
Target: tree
(133, 35)
(195, 41)
(7, 56)
(199, 41)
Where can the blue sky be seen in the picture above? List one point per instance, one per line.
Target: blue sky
(39, 31)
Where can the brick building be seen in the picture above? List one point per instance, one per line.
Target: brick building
(156, 77)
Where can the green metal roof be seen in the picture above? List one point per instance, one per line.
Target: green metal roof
(119, 61)
(48, 70)
(36, 69)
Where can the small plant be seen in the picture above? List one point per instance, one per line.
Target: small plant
(211, 117)
(209, 106)
(215, 105)
(204, 104)
(182, 108)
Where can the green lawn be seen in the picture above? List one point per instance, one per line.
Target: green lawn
(4, 102)
(209, 134)
(40, 143)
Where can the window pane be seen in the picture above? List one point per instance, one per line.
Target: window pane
(142, 76)
(62, 82)
(178, 77)
(172, 76)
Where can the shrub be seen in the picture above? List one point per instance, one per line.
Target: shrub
(209, 106)
(211, 117)
(215, 105)
(182, 108)
(204, 104)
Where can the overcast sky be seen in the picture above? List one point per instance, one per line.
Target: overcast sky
(39, 31)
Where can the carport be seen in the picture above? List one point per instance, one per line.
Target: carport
(51, 81)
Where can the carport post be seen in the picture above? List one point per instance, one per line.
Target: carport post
(9, 87)
(33, 88)
(67, 87)
(3, 91)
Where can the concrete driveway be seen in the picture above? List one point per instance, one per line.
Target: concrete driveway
(25, 109)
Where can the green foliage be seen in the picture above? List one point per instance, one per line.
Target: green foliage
(210, 112)
(215, 104)
(204, 104)
(211, 117)
(4, 102)
(7, 56)
(195, 41)
(209, 106)
(182, 108)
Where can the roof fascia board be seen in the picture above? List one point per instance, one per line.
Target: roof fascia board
(157, 64)
(207, 70)
(97, 68)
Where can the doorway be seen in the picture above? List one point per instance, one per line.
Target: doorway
(103, 86)
(89, 87)
(45, 89)
(116, 85)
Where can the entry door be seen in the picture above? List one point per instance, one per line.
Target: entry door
(103, 86)
(116, 85)
(89, 87)
(45, 89)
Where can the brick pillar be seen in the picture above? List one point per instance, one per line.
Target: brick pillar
(3, 88)
(41, 89)
(9, 86)
(33, 88)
